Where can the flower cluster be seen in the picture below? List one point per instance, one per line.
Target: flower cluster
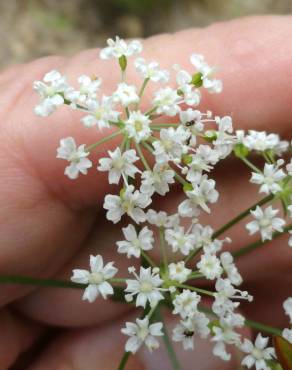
(152, 156)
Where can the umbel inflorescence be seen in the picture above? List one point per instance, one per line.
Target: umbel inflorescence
(172, 141)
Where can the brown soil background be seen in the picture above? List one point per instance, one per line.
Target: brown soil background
(34, 28)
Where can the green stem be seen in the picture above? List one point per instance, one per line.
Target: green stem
(148, 259)
(179, 178)
(123, 143)
(259, 243)
(262, 327)
(162, 247)
(150, 111)
(148, 147)
(195, 289)
(242, 215)
(168, 344)
(250, 165)
(145, 82)
(164, 125)
(152, 312)
(117, 280)
(192, 255)
(124, 361)
(27, 280)
(103, 140)
(195, 275)
(142, 157)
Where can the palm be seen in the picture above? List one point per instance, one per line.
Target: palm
(50, 225)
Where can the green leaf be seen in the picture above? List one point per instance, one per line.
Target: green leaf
(284, 352)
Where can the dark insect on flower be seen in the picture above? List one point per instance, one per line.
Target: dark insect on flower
(190, 123)
(188, 333)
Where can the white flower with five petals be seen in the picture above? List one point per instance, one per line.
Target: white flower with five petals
(137, 126)
(51, 90)
(209, 83)
(130, 201)
(97, 278)
(77, 156)
(140, 333)
(119, 164)
(135, 242)
(119, 47)
(101, 113)
(258, 353)
(146, 287)
(265, 222)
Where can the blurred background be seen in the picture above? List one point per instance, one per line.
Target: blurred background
(34, 28)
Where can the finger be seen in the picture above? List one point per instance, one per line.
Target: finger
(268, 266)
(69, 308)
(17, 335)
(103, 347)
(45, 191)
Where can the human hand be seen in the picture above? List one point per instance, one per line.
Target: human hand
(50, 225)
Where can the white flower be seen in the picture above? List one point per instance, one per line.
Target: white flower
(137, 126)
(162, 219)
(130, 201)
(260, 140)
(230, 269)
(224, 335)
(125, 94)
(96, 278)
(182, 77)
(224, 141)
(185, 88)
(76, 156)
(172, 144)
(167, 101)
(189, 116)
(187, 329)
(226, 290)
(100, 113)
(209, 265)
(269, 180)
(203, 191)
(180, 240)
(201, 161)
(87, 90)
(157, 180)
(178, 271)
(287, 305)
(265, 222)
(135, 242)
(140, 333)
(213, 85)
(146, 287)
(151, 71)
(257, 353)
(119, 164)
(287, 334)
(186, 303)
(204, 239)
(118, 47)
(51, 91)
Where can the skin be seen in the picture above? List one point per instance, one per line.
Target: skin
(49, 224)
